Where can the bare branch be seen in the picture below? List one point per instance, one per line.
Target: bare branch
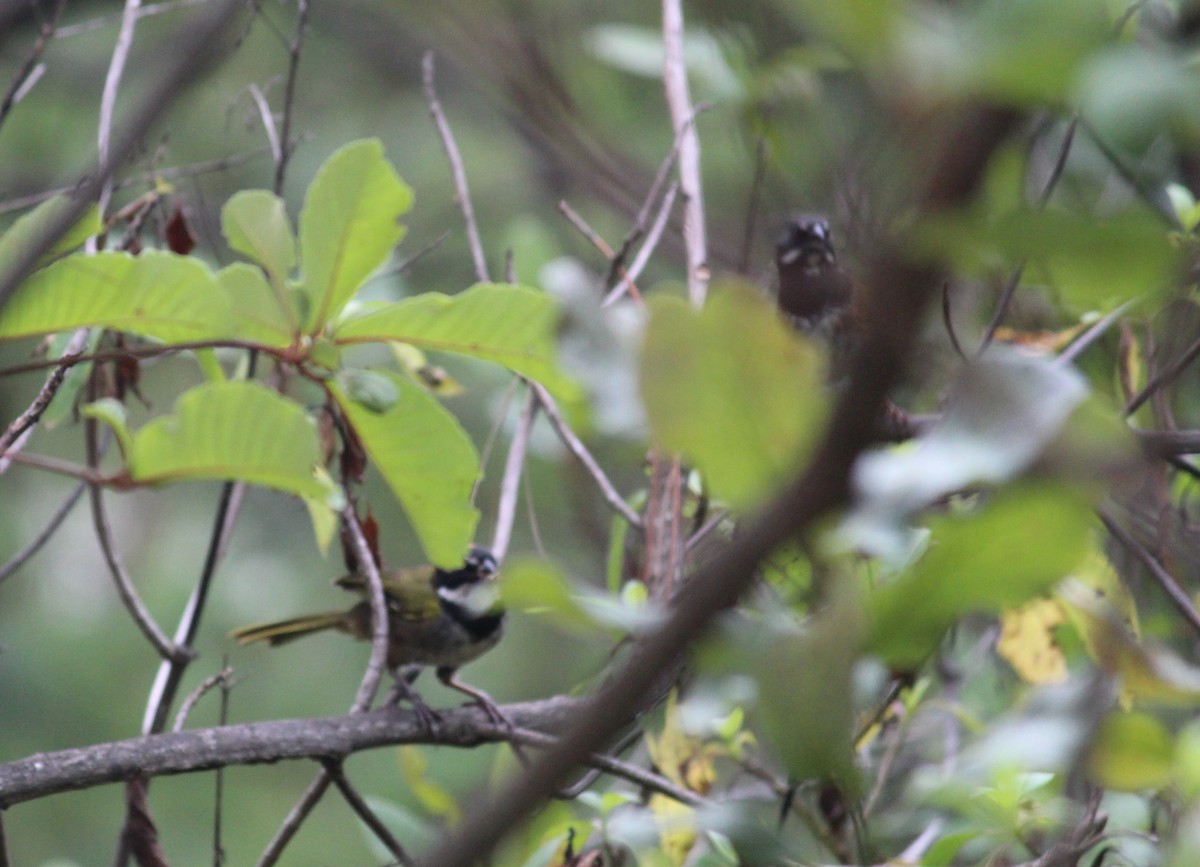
(312, 795)
(1176, 594)
(680, 104)
(1164, 377)
(577, 448)
(284, 153)
(24, 423)
(268, 122)
(106, 20)
(379, 639)
(364, 812)
(510, 485)
(29, 72)
(647, 249)
(462, 194)
(582, 226)
(19, 559)
(204, 749)
(108, 99)
(221, 678)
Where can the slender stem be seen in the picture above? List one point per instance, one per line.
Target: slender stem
(19, 559)
(26, 420)
(576, 447)
(1176, 594)
(105, 20)
(221, 678)
(29, 71)
(268, 122)
(510, 485)
(364, 812)
(1164, 377)
(679, 103)
(647, 249)
(108, 98)
(284, 153)
(316, 789)
(379, 617)
(457, 171)
(582, 226)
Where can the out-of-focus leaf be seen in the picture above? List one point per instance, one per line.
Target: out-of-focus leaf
(510, 325)
(1147, 673)
(160, 295)
(1131, 752)
(538, 586)
(418, 367)
(1001, 413)
(349, 225)
(112, 412)
(970, 566)
(233, 430)
(1186, 770)
(639, 50)
(427, 460)
(1130, 94)
(1027, 641)
(255, 224)
(403, 823)
(1020, 52)
(1092, 263)
(861, 28)
(432, 797)
(29, 226)
(734, 389)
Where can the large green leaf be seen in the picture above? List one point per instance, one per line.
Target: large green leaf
(233, 430)
(160, 295)
(257, 307)
(1018, 545)
(349, 225)
(734, 389)
(255, 223)
(427, 460)
(510, 325)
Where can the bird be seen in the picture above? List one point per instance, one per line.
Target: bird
(436, 618)
(816, 294)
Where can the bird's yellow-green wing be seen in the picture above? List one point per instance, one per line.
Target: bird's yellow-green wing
(410, 592)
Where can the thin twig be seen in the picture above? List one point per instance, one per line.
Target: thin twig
(1060, 163)
(26, 420)
(647, 249)
(366, 814)
(19, 559)
(404, 264)
(485, 453)
(379, 638)
(125, 589)
(1002, 305)
(209, 683)
(510, 484)
(1164, 377)
(108, 98)
(618, 768)
(948, 321)
(186, 170)
(679, 103)
(28, 73)
(284, 154)
(105, 20)
(294, 820)
(1094, 333)
(582, 226)
(760, 171)
(219, 776)
(535, 529)
(576, 447)
(462, 194)
(268, 122)
(638, 229)
(1176, 594)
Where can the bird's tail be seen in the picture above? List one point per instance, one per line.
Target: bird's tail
(293, 628)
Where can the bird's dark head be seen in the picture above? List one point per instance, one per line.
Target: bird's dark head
(805, 242)
(479, 565)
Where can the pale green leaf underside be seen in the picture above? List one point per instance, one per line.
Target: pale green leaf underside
(427, 460)
(255, 224)
(232, 430)
(259, 311)
(510, 325)
(734, 389)
(349, 225)
(26, 230)
(160, 295)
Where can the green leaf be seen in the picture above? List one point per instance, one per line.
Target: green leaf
(112, 412)
(349, 225)
(171, 298)
(1093, 263)
(427, 460)
(510, 325)
(261, 314)
(255, 223)
(538, 586)
(734, 389)
(369, 388)
(1132, 752)
(1018, 545)
(233, 430)
(29, 226)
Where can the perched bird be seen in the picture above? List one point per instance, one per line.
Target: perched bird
(816, 294)
(436, 617)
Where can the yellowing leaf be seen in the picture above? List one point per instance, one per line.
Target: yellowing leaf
(1027, 641)
(1131, 752)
